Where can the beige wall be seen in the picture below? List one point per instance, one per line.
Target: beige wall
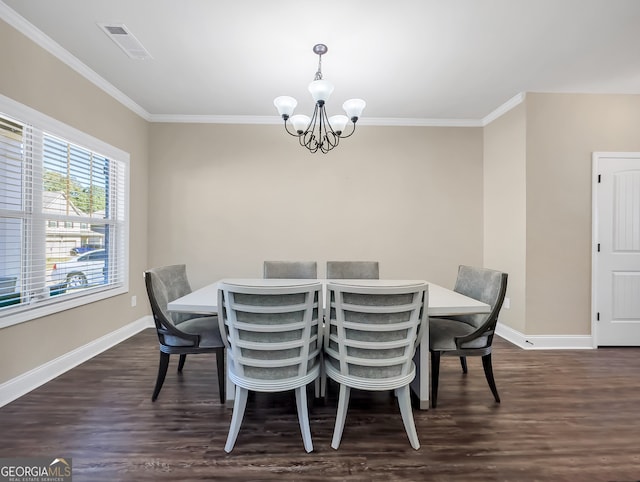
(562, 132)
(224, 198)
(35, 78)
(505, 217)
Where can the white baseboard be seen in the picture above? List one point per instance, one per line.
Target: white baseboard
(545, 342)
(23, 384)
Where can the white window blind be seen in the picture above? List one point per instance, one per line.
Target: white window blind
(63, 216)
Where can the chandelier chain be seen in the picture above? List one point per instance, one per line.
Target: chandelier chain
(318, 75)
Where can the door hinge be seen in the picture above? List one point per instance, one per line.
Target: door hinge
(599, 178)
(598, 247)
(598, 316)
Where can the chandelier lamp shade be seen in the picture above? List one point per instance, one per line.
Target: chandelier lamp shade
(319, 132)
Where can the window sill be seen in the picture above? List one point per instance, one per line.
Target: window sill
(22, 313)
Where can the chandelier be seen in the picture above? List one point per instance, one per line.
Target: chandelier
(320, 132)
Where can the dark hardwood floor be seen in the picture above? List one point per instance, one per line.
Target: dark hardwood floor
(565, 416)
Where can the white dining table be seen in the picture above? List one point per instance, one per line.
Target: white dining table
(442, 302)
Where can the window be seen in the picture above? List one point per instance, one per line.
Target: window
(63, 216)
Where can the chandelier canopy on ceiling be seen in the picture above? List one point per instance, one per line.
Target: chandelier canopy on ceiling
(319, 132)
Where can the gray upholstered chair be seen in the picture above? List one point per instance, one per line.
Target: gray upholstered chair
(353, 270)
(291, 269)
(273, 337)
(371, 335)
(468, 335)
(181, 333)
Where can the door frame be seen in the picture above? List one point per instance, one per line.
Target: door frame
(596, 158)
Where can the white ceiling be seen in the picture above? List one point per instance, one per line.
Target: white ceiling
(413, 61)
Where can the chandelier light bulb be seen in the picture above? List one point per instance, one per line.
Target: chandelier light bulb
(300, 122)
(354, 108)
(320, 90)
(285, 105)
(338, 123)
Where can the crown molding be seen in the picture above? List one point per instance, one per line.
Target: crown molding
(47, 43)
(215, 119)
(367, 121)
(503, 109)
(409, 122)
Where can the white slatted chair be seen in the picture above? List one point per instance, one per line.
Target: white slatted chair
(273, 343)
(371, 334)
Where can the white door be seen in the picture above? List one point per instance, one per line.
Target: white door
(616, 254)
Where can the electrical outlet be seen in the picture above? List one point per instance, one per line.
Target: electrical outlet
(134, 300)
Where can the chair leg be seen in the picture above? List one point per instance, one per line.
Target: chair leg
(321, 382)
(488, 373)
(221, 381)
(303, 417)
(404, 402)
(162, 372)
(239, 406)
(463, 363)
(435, 373)
(316, 388)
(183, 358)
(343, 405)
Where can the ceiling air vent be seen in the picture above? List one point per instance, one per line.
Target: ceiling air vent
(119, 33)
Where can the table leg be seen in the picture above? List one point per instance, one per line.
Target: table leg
(420, 384)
